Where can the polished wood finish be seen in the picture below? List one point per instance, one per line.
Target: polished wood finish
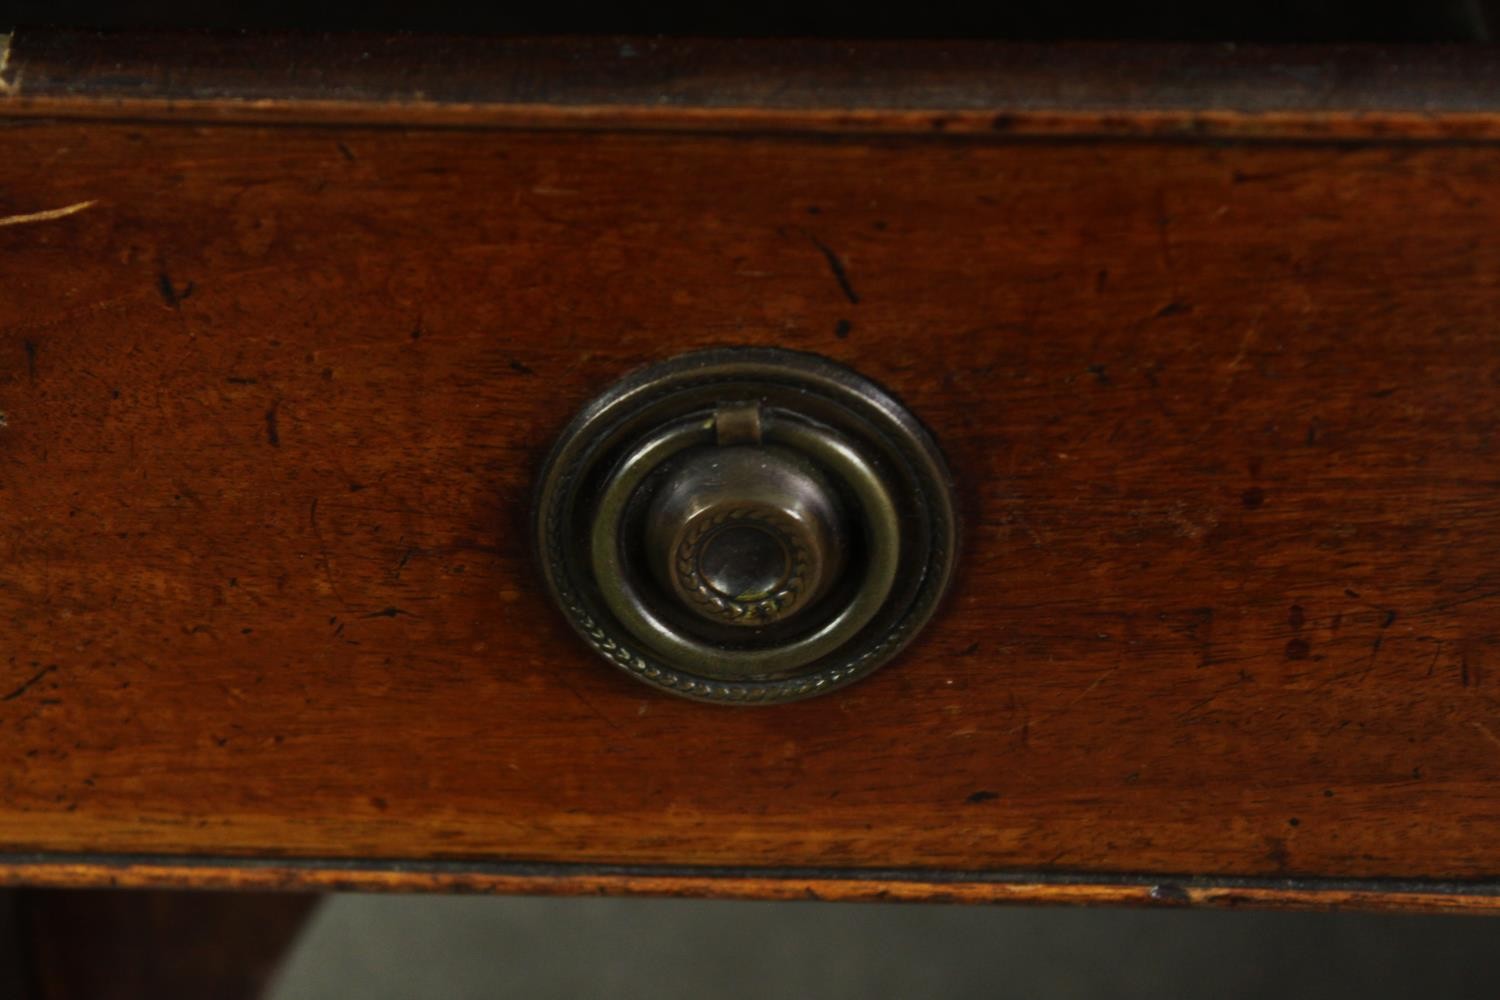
(1222, 419)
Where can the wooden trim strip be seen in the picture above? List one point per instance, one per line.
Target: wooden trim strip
(1347, 93)
(332, 875)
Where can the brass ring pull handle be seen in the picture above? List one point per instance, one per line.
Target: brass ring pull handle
(746, 525)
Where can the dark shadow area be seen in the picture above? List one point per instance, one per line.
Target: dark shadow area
(1163, 20)
(104, 944)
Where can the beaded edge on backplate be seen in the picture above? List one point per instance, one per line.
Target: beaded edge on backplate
(570, 459)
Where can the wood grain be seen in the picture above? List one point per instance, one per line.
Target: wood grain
(1222, 416)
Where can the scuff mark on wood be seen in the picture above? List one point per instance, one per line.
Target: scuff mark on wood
(29, 346)
(170, 294)
(1174, 895)
(388, 613)
(49, 214)
(273, 435)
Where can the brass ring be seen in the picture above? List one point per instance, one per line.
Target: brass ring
(891, 567)
(624, 600)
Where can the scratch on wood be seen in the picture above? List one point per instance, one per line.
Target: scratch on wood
(1164, 239)
(312, 518)
(1487, 733)
(28, 685)
(836, 265)
(1245, 344)
(586, 703)
(49, 214)
(405, 558)
(1025, 727)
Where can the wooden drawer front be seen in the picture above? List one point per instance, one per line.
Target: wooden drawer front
(1221, 415)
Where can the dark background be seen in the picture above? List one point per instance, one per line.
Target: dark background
(1164, 20)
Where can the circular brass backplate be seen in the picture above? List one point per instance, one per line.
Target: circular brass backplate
(746, 525)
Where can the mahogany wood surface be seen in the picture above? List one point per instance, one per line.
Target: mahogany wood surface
(1222, 418)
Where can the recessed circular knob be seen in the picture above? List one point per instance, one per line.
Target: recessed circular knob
(746, 525)
(746, 534)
